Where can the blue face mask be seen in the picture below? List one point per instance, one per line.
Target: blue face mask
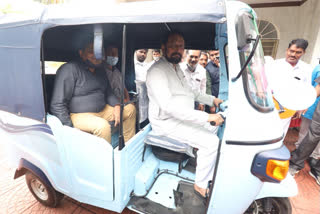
(112, 60)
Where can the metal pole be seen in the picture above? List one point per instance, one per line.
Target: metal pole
(123, 71)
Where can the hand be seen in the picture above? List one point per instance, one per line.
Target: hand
(217, 101)
(201, 107)
(216, 118)
(213, 109)
(299, 113)
(116, 115)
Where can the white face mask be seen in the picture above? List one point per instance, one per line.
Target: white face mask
(112, 60)
(156, 58)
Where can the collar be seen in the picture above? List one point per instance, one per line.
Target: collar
(136, 62)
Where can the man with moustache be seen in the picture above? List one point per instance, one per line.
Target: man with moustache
(82, 97)
(290, 67)
(140, 65)
(172, 113)
(194, 74)
(203, 61)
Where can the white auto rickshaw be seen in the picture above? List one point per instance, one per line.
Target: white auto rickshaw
(252, 163)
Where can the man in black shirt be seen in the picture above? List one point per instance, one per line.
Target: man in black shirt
(82, 98)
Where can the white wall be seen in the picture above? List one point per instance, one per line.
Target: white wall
(296, 22)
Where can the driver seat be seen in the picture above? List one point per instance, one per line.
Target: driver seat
(168, 149)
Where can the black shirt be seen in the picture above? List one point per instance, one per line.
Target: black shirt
(214, 72)
(78, 90)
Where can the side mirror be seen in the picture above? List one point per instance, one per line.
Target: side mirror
(243, 31)
(98, 42)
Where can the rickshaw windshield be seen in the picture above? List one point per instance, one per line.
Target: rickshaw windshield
(254, 77)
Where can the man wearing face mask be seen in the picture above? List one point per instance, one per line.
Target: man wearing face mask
(113, 73)
(194, 74)
(82, 97)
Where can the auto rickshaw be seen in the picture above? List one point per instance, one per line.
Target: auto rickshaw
(252, 163)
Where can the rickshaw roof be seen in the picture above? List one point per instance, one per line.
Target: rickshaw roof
(160, 11)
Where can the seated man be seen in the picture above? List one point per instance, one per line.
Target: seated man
(83, 98)
(172, 113)
(113, 73)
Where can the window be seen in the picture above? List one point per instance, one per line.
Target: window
(269, 37)
(254, 78)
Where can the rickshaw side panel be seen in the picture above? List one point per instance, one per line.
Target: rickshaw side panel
(87, 161)
(127, 163)
(21, 89)
(31, 144)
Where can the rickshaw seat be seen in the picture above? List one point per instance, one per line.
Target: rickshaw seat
(168, 149)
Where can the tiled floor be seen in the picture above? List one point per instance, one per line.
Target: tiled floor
(308, 199)
(15, 197)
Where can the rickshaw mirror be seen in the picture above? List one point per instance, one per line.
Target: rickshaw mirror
(243, 32)
(98, 42)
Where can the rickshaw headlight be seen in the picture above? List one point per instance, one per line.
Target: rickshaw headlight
(277, 169)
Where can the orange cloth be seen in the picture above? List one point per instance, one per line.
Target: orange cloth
(287, 112)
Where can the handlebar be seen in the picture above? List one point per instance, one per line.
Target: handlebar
(221, 108)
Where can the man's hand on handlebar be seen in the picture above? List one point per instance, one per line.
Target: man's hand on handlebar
(217, 101)
(215, 119)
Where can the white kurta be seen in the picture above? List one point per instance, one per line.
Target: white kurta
(281, 70)
(196, 79)
(172, 113)
(141, 69)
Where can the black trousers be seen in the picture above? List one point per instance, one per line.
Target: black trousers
(308, 144)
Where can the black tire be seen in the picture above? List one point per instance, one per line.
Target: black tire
(44, 193)
(279, 206)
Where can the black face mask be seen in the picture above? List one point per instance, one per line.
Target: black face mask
(91, 65)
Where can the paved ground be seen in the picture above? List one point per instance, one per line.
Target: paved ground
(15, 197)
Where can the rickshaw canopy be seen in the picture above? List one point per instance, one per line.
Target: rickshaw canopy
(48, 35)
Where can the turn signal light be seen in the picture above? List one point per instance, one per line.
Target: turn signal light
(277, 169)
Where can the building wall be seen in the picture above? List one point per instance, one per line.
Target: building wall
(296, 22)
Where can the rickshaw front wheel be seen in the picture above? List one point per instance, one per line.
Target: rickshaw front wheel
(44, 193)
(279, 205)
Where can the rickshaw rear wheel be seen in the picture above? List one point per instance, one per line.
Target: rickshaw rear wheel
(44, 193)
(280, 205)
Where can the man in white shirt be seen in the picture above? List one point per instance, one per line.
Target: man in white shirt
(172, 113)
(290, 67)
(194, 74)
(140, 65)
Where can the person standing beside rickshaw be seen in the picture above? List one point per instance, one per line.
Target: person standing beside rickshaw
(308, 144)
(172, 113)
(290, 67)
(82, 97)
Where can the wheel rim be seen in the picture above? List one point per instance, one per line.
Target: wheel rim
(39, 189)
(257, 207)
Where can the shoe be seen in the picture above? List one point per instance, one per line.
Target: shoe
(312, 161)
(315, 175)
(293, 171)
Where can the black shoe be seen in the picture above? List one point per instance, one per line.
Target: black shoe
(315, 175)
(312, 162)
